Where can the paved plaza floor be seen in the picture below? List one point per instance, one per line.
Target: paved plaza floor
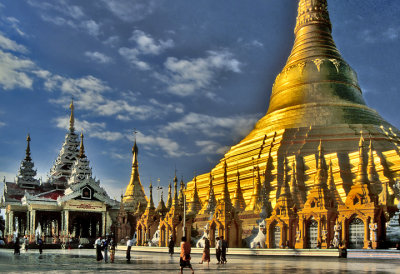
(84, 261)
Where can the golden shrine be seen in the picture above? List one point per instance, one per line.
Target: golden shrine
(320, 168)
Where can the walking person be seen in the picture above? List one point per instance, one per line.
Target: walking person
(97, 244)
(40, 244)
(224, 249)
(105, 249)
(26, 243)
(112, 250)
(184, 260)
(171, 245)
(206, 252)
(17, 246)
(129, 245)
(218, 245)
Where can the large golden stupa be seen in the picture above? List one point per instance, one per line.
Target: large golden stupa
(316, 108)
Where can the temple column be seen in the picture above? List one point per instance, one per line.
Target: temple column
(66, 225)
(28, 224)
(32, 225)
(11, 225)
(366, 232)
(6, 225)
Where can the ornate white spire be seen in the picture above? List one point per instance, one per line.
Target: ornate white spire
(26, 173)
(62, 167)
(81, 169)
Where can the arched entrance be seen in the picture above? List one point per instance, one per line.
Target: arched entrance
(356, 234)
(312, 234)
(275, 236)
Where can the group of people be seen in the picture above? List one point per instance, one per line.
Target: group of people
(103, 246)
(221, 247)
(25, 244)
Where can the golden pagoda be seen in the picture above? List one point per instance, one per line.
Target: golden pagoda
(135, 199)
(315, 99)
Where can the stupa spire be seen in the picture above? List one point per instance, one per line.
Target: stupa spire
(238, 200)
(150, 205)
(316, 87)
(175, 200)
(169, 200)
(26, 173)
(321, 176)
(211, 201)
(28, 149)
(362, 177)
(195, 203)
(312, 12)
(134, 195)
(72, 117)
(81, 148)
(337, 200)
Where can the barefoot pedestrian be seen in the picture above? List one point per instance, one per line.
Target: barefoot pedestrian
(40, 244)
(129, 245)
(16, 246)
(218, 244)
(97, 244)
(171, 245)
(224, 249)
(112, 250)
(184, 259)
(206, 252)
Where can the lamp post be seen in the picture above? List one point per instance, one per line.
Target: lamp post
(184, 215)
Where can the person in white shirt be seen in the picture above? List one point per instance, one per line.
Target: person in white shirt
(129, 245)
(97, 244)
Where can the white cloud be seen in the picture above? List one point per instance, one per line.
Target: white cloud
(2, 124)
(62, 13)
(111, 41)
(91, 129)
(98, 57)
(14, 23)
(211, 147)
(185, 77)
(131, 11)
(13, 71)
(152, 143)
(132, 56)
(91, 27)
(8, 44)
(60, 6)
(147, 45)
(236, 126)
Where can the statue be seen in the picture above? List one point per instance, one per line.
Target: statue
(260, 239)
(373, 232)
(201, 242)
(336, 238)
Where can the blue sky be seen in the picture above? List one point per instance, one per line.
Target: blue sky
(191, 76)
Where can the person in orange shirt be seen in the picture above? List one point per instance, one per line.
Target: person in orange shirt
(184, 260)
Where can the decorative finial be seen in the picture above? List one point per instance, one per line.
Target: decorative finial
(28, 148)
(72, 118)
(361, 143)
(82, 148)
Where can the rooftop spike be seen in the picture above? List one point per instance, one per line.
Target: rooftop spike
(28, 149)
(81, 148)
(150, 205)
(362, 177)
(72, 117)
(169, 200)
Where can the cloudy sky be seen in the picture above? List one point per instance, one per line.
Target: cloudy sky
(192, 77)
